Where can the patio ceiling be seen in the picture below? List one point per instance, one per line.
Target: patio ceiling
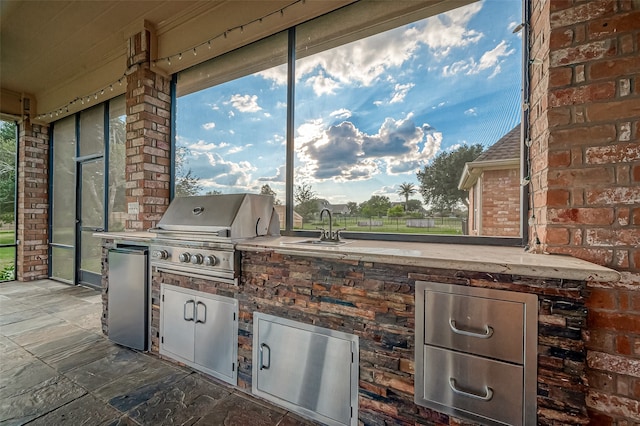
(55, 51)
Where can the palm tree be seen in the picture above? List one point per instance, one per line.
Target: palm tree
(406, 190)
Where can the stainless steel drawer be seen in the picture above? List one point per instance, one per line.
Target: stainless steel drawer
(478, 386)
(481, 326)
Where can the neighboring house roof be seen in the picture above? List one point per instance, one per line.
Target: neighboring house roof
(504, 154)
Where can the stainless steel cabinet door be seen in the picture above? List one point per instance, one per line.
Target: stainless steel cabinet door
(307, 371)
(178, 317)
(215, 336)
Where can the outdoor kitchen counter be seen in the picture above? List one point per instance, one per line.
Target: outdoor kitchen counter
(491, 259)
(135, 237)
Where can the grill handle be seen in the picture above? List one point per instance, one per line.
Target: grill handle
(198, 320)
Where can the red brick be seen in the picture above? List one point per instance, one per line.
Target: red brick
(557, 236)
(582, 53)
(599, 256)
(560, 76)
(580, 177)
(560, 4)
(591, 135)
(608, 111)
(626, 44)
(559, 116)
(619, 322)
(635, 173)
(614, 68)
(619, 195)
(635, 256)
(583, 12)
(613, 237)
(583, 216)
(559, 158)
(560, 37)
(557, 198)
(619, 153)
(614, 25)
(582, 94)
(602, 299)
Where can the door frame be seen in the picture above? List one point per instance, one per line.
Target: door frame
(82, 277)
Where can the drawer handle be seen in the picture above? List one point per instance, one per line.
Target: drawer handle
(198, 320)
(488, 392)
(488, 331)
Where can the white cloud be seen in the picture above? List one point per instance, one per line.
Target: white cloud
(341, 113)
(323, 85)
(471, 111)
(489, 60)
(236, 149)
(279, 176)
(245, 103)
(400, 92)
(204, 146)
(344, 153)
(208, 126)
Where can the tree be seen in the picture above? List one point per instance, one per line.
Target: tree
(266, 190)
(187, 183)
(353, 207)
(396, 211)
(439, 180)
(407, 190)
(413, 206)
(377, 205)
(306, 200)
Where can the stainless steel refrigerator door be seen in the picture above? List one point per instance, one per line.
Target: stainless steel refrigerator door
(127, 317)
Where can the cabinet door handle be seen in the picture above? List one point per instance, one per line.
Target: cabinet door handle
(198, 320)
(488, 392)
(488, 331)
(262, 364)
(184, 311)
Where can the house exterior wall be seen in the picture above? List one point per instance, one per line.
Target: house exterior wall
(499, 204)
(585, 157)
(33, 202)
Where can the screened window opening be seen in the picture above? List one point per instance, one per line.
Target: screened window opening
(403, 122)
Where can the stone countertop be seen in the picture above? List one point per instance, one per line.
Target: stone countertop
(478, 258)
(139, 236)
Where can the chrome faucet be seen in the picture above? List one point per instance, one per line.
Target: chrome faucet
(324, 235)
(329, 236)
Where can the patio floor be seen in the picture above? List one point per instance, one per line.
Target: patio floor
(56, 367)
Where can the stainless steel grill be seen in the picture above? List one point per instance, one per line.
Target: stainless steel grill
(196, 236)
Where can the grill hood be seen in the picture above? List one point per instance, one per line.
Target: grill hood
(233, 216)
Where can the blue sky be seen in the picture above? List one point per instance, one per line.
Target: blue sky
(369, 114)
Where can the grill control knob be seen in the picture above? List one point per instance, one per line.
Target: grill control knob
(211, 260)
(196, 259)
(160, 254)
(184, 257)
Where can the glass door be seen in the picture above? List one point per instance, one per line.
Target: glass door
(8, 148)
(90, 219)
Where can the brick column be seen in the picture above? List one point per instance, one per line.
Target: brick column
(33, 202)
(585, 157)
(148, 136)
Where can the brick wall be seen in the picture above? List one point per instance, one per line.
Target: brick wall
(33, 202)
(376, 302)
(501, 203)
(585, 156)
(148, 164)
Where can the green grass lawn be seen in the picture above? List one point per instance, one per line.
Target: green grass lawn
(448, 226)
(7, 254)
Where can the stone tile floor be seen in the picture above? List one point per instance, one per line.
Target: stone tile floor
(56, 367)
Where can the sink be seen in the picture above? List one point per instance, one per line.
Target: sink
(315, 242)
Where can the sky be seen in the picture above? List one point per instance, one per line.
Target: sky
(368, 114)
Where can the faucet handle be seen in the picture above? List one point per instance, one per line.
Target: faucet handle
(336, 234)
(323, 233)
